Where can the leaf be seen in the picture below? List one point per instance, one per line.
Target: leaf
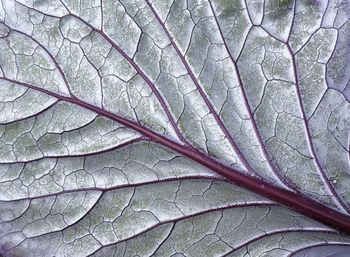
(174, 128)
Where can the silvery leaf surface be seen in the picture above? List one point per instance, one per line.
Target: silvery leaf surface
(174, 128)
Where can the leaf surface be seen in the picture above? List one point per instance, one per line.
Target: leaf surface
(174, 128)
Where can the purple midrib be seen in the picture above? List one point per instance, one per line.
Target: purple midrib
(293, 200)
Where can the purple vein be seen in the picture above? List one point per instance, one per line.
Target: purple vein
(289, 230)
(184, 218)
(298, 202)
(111, 149)
(122, 186)
(347, 244)
(201, 92)
(29, 116)
(140, 72)
(48, 53)
(247, 106)
(323, 176)
(134, 188)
